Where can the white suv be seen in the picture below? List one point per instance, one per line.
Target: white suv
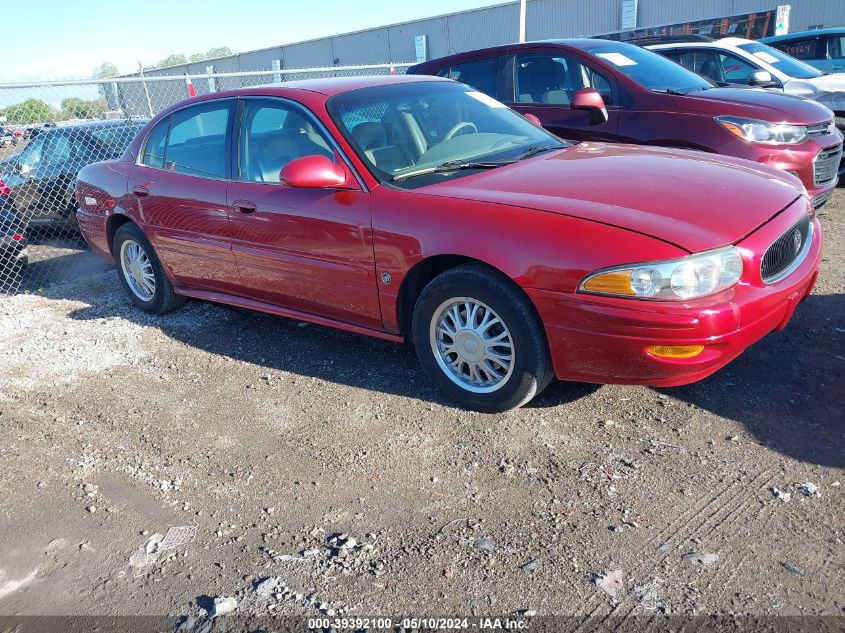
(739, 61)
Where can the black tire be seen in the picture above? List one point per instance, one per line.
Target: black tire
(531, 365)
(163, 298)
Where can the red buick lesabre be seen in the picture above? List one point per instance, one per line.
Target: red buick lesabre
(418, 208)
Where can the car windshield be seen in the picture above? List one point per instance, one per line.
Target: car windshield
(647, 68)
(786, 64)
(408, 129)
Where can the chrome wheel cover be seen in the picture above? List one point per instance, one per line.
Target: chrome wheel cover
(472, 345)
(137, 270)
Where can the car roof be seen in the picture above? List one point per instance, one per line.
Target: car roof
(838, 30)
(580, 43)
(725, 42)
(329, 86)
(97, 125)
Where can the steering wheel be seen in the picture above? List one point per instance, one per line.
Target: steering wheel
(458, 127)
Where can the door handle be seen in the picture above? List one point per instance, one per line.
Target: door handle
(140, 191)
(245, 206)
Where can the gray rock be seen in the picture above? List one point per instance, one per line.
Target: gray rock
(485, 544)
(703, 558)
(612, 582)
(223, 605)
(267, 588)
(809, 489)
(780, 494)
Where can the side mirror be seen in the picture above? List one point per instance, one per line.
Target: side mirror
(533, 118)
(315, 171)
(762, 78)
(589, 99)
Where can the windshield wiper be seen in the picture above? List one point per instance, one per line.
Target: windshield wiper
(452, 165)
(536, 149)
(458, 165)
(670, 91)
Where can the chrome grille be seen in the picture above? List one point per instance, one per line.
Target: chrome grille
(820, 129)
(787, 251)
(826, 165)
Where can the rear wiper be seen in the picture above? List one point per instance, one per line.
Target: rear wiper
(452, 165)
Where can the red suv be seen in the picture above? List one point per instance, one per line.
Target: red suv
(612, 91)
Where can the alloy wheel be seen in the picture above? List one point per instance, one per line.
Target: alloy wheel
(472, 344)
(137, 270)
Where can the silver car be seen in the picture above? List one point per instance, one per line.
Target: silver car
(739, 61)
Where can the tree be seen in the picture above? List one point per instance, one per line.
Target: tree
(29, 111)
(172, 60)
(104, 70)
(75, 108)
(218, 51)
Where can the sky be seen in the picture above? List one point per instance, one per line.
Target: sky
(69, 38)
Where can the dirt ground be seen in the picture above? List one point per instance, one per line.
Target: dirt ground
(318, 473)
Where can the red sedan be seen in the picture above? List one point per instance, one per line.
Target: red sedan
(418, 208)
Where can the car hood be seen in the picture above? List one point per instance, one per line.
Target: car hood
(828, 90)
(754, 103)
(689, 199)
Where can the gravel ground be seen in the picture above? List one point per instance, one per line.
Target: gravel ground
(318, 472)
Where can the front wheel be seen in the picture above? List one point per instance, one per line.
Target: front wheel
(480, 341)
(141, 272)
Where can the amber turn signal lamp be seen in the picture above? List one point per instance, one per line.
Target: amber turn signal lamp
(675, 351)
(734, 129)
(617, 282)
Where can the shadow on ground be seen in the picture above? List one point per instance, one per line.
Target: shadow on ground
(788, 389)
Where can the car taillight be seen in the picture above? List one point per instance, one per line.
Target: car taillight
(4, 190)
(17, 237)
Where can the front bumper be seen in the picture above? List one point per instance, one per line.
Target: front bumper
(604, 340)
(806, 161)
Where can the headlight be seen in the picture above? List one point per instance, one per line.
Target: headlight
(765, 132)
(681, 279)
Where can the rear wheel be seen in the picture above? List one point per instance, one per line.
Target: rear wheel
(480, 341)
(141, 272)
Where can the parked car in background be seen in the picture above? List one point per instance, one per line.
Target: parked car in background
(7, 137)
(41, 177)
(600, 90)
(13, 253)
(823, 48)
(417, 208)
(746, 62)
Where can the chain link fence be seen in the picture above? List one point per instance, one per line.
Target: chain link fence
(51, 130)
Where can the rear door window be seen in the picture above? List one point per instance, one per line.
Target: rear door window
(836, 46)
(482, 74)
(704, 62)
(197, 142)
(154, 147)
